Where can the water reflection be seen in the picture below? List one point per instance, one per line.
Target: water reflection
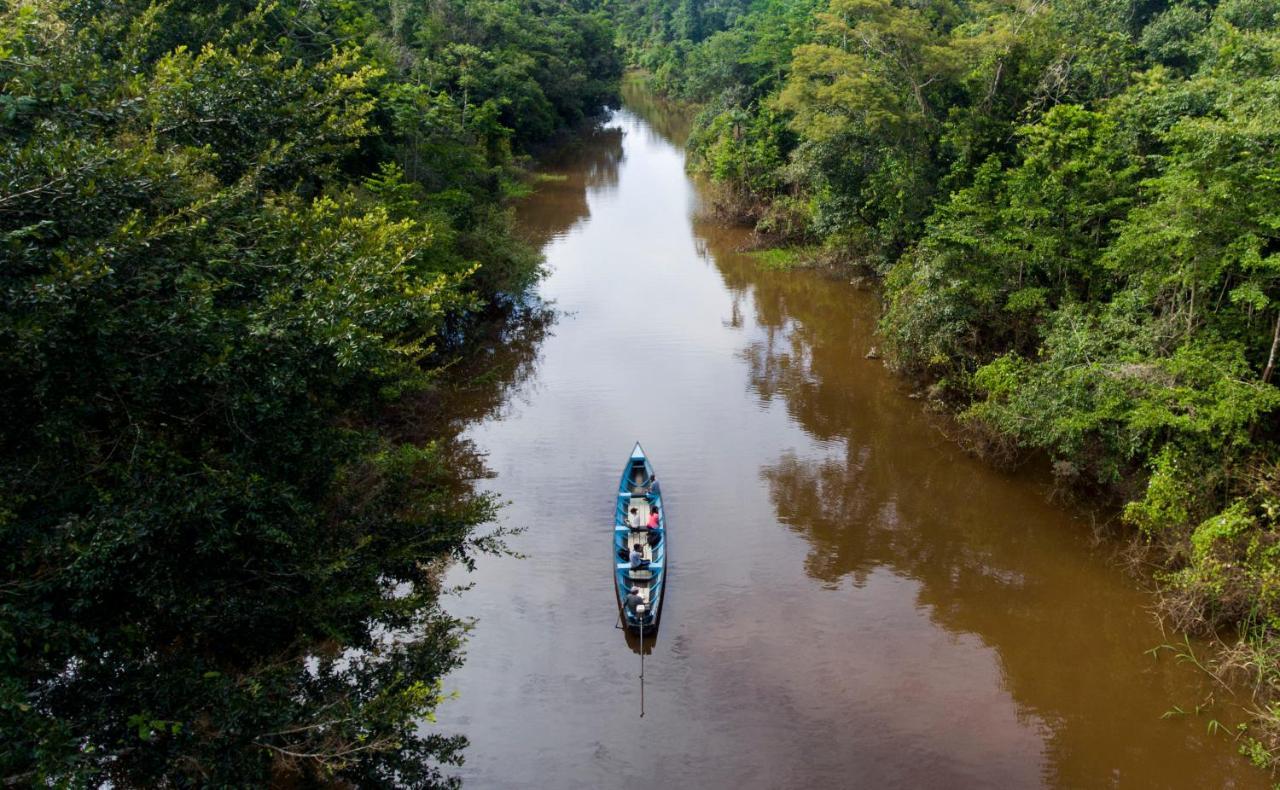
(855, 602)
(884, 491)
(665, 120)
(502, 355)
(588, 165)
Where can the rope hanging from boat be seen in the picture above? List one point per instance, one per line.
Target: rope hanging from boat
(640, 617)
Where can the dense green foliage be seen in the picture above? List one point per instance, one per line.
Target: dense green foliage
(699, 49)
(1075, 209)
(234, 237)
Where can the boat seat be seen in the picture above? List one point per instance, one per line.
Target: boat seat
(649, 537)
(639, 483)
(641, 505)
(640, 574)
(640, 536)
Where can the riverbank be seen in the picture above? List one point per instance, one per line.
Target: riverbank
(854, 596)
(248, 249)
(1209, 576)
(1241, 653)
(1075, 261)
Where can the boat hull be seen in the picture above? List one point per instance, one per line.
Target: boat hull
(639, 494)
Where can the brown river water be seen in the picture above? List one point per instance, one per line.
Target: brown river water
(853, 601)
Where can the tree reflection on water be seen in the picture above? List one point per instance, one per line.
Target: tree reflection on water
(588, 164)
(991, 557)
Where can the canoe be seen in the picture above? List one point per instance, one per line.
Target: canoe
(639, 489)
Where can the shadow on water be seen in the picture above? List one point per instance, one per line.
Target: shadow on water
(642, 646)
(634, 642)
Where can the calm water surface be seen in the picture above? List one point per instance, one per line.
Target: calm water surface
(853, 601)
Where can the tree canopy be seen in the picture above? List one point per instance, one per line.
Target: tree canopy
(1073, 209)
(236, 237)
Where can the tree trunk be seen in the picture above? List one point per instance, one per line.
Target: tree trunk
(1271, 360)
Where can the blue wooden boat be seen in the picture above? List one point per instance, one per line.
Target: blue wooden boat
(639, 491)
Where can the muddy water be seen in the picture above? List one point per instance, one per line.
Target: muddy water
(853, 601)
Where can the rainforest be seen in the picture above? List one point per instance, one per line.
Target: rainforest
(242, 241)
(1073, 209)
(290, 306)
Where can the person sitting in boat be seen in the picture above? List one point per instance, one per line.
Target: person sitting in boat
(633, 600)
(638, 562)
(655, 537)
(637, 520)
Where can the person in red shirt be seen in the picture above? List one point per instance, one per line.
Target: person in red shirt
(653, 519)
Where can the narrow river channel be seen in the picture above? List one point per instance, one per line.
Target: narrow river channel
(854, 602)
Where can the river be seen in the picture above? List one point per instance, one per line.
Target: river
(854, 602)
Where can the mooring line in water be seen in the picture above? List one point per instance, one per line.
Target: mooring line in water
(641, 619)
